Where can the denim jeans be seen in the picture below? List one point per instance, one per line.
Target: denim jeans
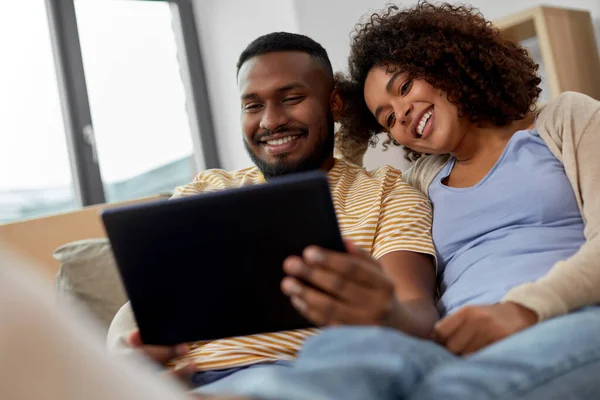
(556, 359)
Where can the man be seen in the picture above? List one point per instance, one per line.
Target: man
(288, 108)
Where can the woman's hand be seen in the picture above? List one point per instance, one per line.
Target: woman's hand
(473, 328)
(349, 289)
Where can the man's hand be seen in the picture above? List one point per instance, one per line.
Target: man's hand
(353, 289)
(472, 328)
(164, 354)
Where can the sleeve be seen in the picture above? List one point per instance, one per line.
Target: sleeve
(404, 222)
(424, 170)
(209, 181)
(575, 282)
(198, 185)
(121, 326)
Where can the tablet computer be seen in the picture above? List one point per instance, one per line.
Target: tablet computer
(210, 266)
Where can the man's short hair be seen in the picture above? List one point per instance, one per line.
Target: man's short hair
(285, 41)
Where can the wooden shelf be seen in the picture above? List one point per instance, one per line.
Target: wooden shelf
(567, 45)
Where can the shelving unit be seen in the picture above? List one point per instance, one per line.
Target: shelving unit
(567, 45)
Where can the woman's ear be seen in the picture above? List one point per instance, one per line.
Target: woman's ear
(337, 104)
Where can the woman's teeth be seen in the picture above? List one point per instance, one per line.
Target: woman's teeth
(423, 122)
(278, 142)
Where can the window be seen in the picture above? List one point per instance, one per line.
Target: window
(35, 175)
(137, 97)
(95, 105)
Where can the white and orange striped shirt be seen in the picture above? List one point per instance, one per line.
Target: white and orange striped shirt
(377, 210)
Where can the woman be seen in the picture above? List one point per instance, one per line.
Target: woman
(515, 192)
(522, 185)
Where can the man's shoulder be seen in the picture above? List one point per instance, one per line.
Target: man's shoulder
(227, 179)
(219, 179)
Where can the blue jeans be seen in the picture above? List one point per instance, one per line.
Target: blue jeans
(556, 359)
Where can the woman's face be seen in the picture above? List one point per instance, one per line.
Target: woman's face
(417, 115)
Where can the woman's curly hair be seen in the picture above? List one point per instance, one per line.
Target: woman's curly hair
(492, 81)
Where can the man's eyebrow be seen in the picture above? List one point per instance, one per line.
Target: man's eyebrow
(292, 85)
(249, 96)
(289, 86)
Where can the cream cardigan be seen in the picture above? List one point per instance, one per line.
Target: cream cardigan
(570, 126)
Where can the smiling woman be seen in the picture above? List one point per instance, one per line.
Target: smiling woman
(515, 190)
(467, 60)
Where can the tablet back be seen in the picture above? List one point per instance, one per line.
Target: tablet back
(210, 266)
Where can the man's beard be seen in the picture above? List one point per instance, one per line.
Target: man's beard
(322, 150)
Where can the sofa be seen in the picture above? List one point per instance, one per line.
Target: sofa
(88, 278)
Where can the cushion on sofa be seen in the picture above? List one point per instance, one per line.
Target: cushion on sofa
(88, 276)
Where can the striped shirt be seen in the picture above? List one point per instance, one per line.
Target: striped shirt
(377, 210)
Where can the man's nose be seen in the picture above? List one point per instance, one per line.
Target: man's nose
(273, 118)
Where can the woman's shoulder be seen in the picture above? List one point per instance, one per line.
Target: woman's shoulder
(424, 170)
(567, 118)
(567, 106)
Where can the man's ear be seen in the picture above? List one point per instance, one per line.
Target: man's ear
(337, 104)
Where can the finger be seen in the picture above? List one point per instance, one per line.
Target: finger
(323, 309)
(302, 307)
(318, 315)
(444, 329)
(163, 354)
(461, 339)
(329, 281)
(351, 267)
(160, 354)
(353, 249)
(479, 341)
(135, 339)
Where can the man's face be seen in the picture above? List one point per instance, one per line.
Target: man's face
(286, 115)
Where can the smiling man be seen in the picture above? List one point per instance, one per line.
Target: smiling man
(288, 108)
(276, 135)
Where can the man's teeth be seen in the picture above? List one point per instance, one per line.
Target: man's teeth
(278, 142)
(424, 122)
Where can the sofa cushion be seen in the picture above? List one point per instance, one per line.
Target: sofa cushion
(88, 276)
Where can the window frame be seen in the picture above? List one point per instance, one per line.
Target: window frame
(66, 46)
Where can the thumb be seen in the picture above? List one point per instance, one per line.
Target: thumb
(353, 249)
(135, 339)
(160, 354)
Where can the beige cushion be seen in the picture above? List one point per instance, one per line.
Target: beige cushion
(88, 276)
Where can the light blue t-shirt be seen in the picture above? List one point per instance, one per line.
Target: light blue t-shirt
(509, 228)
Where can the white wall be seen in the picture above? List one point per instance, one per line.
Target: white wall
(226, 26)
(330, 22)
